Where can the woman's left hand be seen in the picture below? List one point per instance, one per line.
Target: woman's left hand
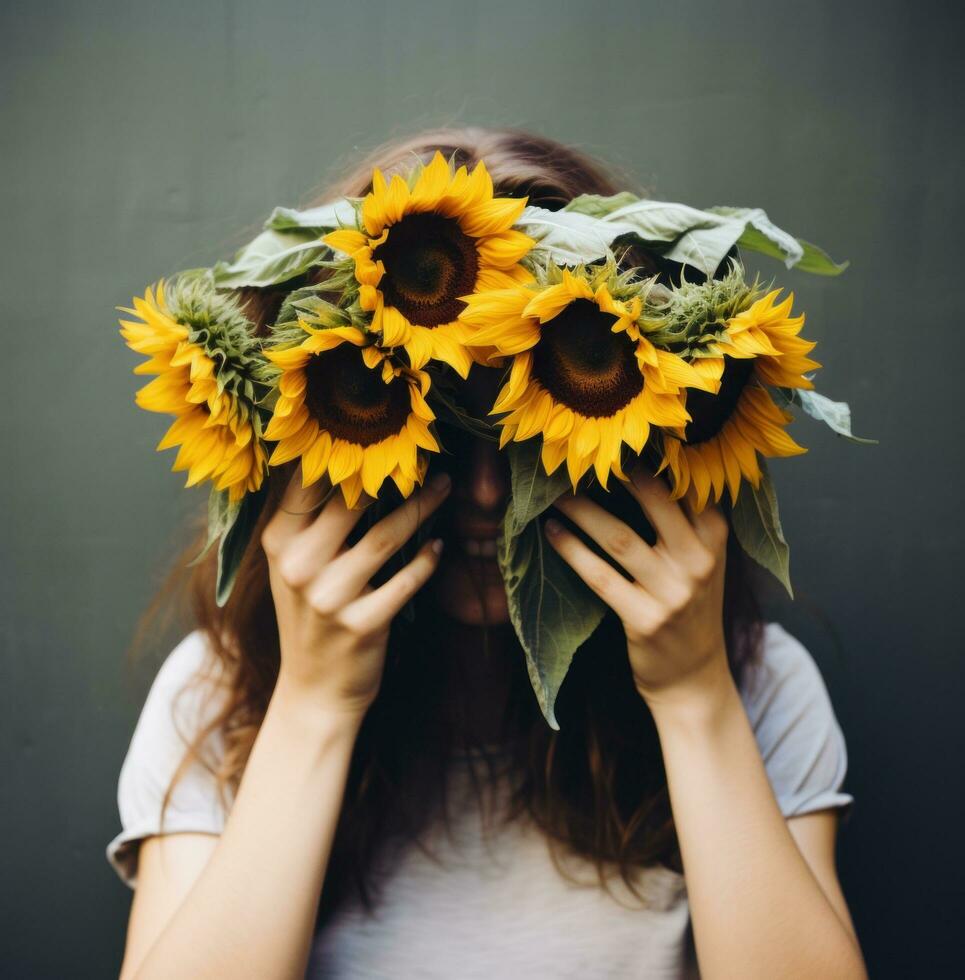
(672, 610)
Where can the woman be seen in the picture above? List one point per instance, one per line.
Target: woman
(372, 795)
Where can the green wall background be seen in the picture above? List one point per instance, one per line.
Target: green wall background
(142, 138)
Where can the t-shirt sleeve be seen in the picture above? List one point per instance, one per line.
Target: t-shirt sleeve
(183, 697)
(801, 742)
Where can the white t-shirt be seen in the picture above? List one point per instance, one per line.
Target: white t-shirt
(494, 906)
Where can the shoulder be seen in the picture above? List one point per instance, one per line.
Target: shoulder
(786, 671)
(790, 710)
(186, 689)
(185, 697)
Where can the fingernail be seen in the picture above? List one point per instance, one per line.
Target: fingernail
(437, 546)
(553, 526)
(439, 482)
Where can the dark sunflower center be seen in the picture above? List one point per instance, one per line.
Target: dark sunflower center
(583, 364)
(428, 263)
(350, 401)
(711, 412)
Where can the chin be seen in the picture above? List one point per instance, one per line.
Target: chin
(471, 591)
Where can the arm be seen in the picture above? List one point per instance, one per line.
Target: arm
(760, 906)
(251, 909)
(244, 904)
(754, 897)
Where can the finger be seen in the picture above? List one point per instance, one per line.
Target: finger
(295, 511)
(343, 579)
(710, 525)
(616, 539)
(299, 503)
(315, 546)
(674, 531)
(376, 609)
(629, 601)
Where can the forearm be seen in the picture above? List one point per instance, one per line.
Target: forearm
(252, 910)
(757, 909)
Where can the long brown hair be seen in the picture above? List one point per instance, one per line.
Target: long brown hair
(597, 787)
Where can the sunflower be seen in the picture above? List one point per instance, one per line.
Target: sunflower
(719, 446)
(423, 245)
(208, 375)
(584, 375)
(350, 412)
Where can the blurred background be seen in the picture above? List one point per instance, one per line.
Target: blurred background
(144, 138)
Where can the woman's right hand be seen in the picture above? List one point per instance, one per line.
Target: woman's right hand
(332, 625)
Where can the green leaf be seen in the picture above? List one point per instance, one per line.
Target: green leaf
(531, 489)
(271, 258)
(289, 309)
(569, 237)
(760, 235)
(332, 214)
(235, 541)
(701, 248)
(680, 233)
(836, 415)
(703, 239)
(222, 513)
(552, 610)
(757, 524)
(699, 238)
(818, 262)
(598, 205)
(661, 221)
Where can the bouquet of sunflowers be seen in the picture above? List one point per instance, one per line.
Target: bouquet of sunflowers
(392, 299)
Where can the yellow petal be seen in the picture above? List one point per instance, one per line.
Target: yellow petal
(396, 329)
(519, 375)
(586, 436)
(419, 432)
(504, 249)
(548, 303)
(732, 468)
(491, 217)
(375, 466)
(740, 449)
(290, 359)
(352, 490)
(345, 461)
(292, 383)
(347, 240)
(535, 417)
(700, 476)
(332, 337)
(560, 423)
(430, 185)
(608, 453)
(373, 214)
(315, 458)
(294, 445)
(396, 199)
(183, 428)
(552, 455)
(284, 426)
